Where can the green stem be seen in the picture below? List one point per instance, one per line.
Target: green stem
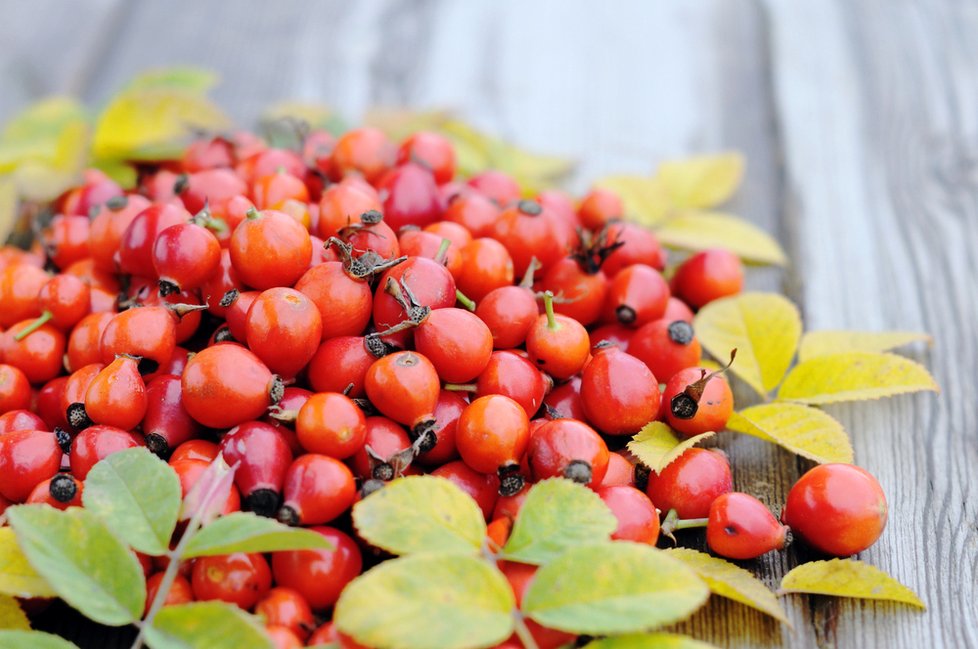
(34, 326)
(548, 305)
(461, 387)
(527, 281)
(522, 631)
(442, 251)
(253, 213)
(467, 302)
(690, 523)
(173, 567)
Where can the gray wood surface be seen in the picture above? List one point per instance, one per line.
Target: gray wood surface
(860, 124)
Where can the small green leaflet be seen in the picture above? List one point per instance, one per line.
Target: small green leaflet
(33, 640)
(428, 601)
(137, 495)
(657, 445)
(206, 625)
(557, 514)
(613, 587)
(246, 532)
(83, 561)
(648, 641)
(17, 577)
(443, 518)
(847, 578)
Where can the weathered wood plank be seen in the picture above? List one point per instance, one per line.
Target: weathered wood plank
(877, 106)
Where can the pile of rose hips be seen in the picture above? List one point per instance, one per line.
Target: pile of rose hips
(332, 318)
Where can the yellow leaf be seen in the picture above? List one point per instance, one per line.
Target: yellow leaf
(38, 133)
(847, 578)
(803, 430)
(8, 206)
(645, 199)
(764, 328)
(657, 445)
(824, 343)
(17, 577)
(730, 581)
(854, 376)
(399, 123)
(154, 124)
(654, 640)
(12, 616)
(702, 230)
(702, 181)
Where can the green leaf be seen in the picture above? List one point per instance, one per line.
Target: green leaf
(17, 577)
(137, 495)
(33, 640)
(613, 587)
(83, 562)
(427, 601)
(178, 77)
(12, 616)
(847, 578)
(558, 514)
(206, 625)
(703, 230)
(37, 132)
(702, 181)
(8, 206)
(803, 430)
(825, 343)
(125, 175)
(733, 582)
(657, 445)
(764, 328)
(246, 532)
(854, 376)
(443, 518)
(649, 641)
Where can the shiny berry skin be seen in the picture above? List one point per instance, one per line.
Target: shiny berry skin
(329, 423)
(618, 392)
(636, 295)
(344, 302)
(136, 246)
(385, 439)
(342, 204)
(365, 151)
(195, 449)
(272, 191)
(707, 276)
(598, 207)
(240, 578)
(456, 342)
(486, 266)
(20, 420)
(180, 591)
(263, 456)
(27, 458)
(640, 247)
(270, 249)
(482, 487)
(286, 607)
(564, 401)
(568, 448)
(39, 354)
(447, 411)
(838, 509)
(411, 197)
(430, 150)
(61, 492)
(96, 190)
(318, 488)
(691, 483)
(166, 424)
(676, 309)
(19, 286)
(637, 519)
(509, 312)
(512, 375)
(283, 328)
(339, 363)
(190, 469)
(666, 347)
(582, 290)
(319, 575)
(498, 186)
(528, 231)
(620, 472)
(117, 395)
(84, 343)
(149, 332)
(74, 393)
(476, 212)
(742, 527)
(108, 228)
(492, 434)
(691, 415)
(403, 386)
(236, 312)
(428, 281)
(96, 443)
(559, 345)
(15, 389)
(67, 298)
(185, 256)
(226, 385)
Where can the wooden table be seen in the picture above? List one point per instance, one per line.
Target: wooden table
(860, 123)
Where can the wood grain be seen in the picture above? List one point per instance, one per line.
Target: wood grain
(859, 122)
